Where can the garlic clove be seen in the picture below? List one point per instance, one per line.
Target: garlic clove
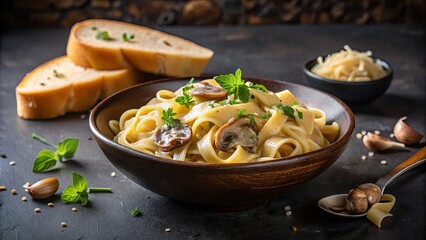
(44, 188)
(379, 143)
(405, 133)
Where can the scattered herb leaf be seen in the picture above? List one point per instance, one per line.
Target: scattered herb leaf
(58, 74)
(266, 115)
(186, 99)
(136, 212)
(230, 102)
(102, 35)
(242, 113)
(211, 104)
(79, 190)
(168, 118)
(299, 114)
(287, 110)
(259, 87)
(128, 37)
(46, 159)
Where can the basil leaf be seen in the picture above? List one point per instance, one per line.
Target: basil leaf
(79, 182)
(70, 195)
(84, 198)
(67, 148)
(227, 82)
(44, 160)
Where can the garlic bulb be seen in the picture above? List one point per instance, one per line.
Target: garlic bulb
(44, 188)
(379, 143)
(405, 133)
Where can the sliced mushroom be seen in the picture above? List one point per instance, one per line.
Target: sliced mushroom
(208, 91)
(168, 138)
(237, 132)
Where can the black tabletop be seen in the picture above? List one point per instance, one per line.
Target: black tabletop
(276, 52)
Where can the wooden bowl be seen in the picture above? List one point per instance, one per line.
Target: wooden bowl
(218, 186)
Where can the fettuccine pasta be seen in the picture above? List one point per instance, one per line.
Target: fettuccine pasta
(224, 131)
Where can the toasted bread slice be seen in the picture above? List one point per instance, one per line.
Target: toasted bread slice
(59, 86)
(149, 50)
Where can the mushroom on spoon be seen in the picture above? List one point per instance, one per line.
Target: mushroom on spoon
(335, 204)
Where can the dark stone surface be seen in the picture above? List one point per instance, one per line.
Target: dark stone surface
(272, 51)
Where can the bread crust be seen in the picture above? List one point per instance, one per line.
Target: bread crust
(76, 96)
(156, 62)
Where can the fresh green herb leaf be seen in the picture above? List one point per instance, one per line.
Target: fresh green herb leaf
(190, 82)
(79, 190)
(44, 160)
(168, 118)
(136, 212)
(299, 114)
(67, 148)
(266, 115)
(211, 104)
(230, 102)
(70, 194)
(259, 87)
(79, 182)
(47, 159)
(233, 84)
(102, 35)
(185, 100)
(241, 113)
(287, 110)
(128, 37)
(58, 74)
(251, 118)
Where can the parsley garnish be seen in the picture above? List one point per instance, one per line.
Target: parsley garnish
(79, 190)
(102, 35)
(168, 118)
(259, 87)
(58, 74)
(211, 104)
(288, 110)
(136, 212)
(230, 102)
(266, 115)
(233, 84)
(128, 37)
(186, 99)
(242, 113)
(47, 159)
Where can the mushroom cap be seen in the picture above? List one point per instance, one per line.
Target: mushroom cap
(356, 201)
(208, 91)
(237, 132)
(168, 138)
(372, 191)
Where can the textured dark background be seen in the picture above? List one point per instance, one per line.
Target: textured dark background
(64, 13)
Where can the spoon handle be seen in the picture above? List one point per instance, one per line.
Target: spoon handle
(416, 159)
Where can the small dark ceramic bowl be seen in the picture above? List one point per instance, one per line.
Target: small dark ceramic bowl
(218, 186)
(352, 93)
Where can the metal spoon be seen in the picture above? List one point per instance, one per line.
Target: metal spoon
(335, 204)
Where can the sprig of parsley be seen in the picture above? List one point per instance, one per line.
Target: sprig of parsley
(168, 118)
(229, 101)
(288, 110)
(102, 35)
(186, 99)
(79, 190)
(242, 113)
(266, 115)
(236, 86)
(127, 37)
(47, 159)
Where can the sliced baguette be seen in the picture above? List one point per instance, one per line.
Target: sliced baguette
(42, 94)
(150, 50)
